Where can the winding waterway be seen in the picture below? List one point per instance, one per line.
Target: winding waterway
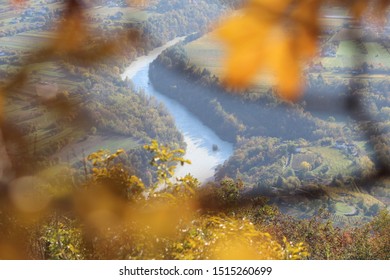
(199, 138)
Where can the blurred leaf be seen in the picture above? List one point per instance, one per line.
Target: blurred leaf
(71, 33)
(256, 42)
(18, 3)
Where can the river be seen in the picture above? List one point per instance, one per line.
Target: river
(199, 138)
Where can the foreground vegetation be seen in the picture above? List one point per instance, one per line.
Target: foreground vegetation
(113, 215)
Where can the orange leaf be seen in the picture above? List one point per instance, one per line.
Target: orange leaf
(286, 66)
(72, 31)
(277, 42)
(306, 16)
(18, 2)
(358, 8)
(244, 36)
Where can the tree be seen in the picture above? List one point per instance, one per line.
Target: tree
(373, 210)
(366, 166)
(113, 175)
(229, 191)
(164, 158)
(305, 166)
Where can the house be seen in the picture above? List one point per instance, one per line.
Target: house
(340, 144)
(348, 148)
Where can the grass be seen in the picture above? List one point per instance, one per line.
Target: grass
(338, 162)
(26, 41)
(348, 48)
(76, 151)
(342, 208)
(206, 52)
(350, 51)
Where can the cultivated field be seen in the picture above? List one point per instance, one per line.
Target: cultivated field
(336, 160)
(207, 52)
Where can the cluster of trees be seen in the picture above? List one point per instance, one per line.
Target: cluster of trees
(264, 164)
(12, 30)
(257, 158)
(172, 17)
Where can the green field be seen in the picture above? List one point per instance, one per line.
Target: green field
(342, 208)
(207, 52)
(350, 52)
(348, 48)
(77, 151)
(338, 162)
(27, 41)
